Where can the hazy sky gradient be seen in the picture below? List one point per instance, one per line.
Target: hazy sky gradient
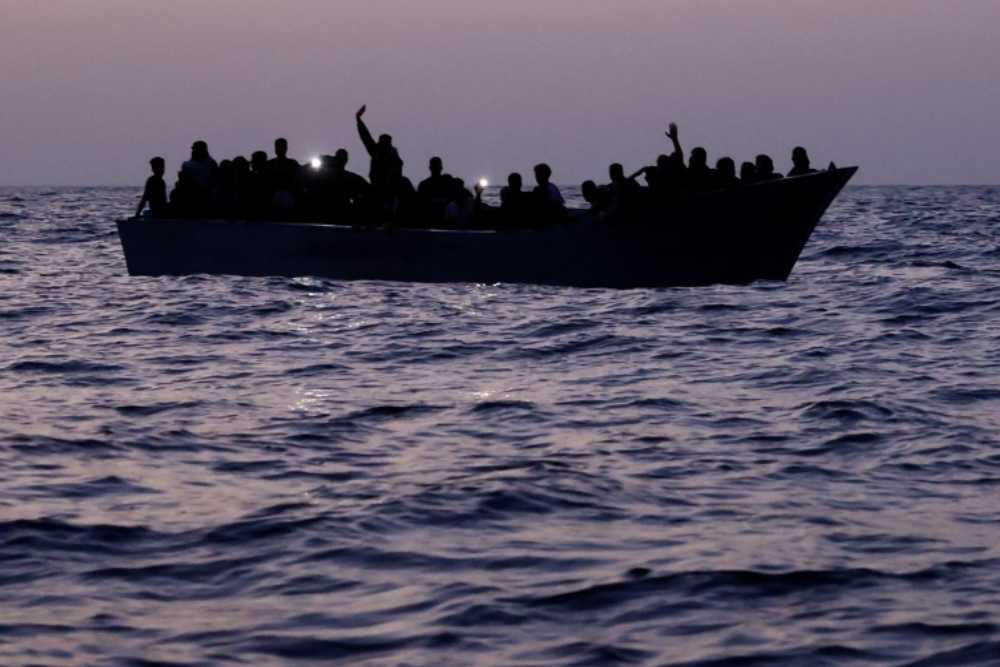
(908, 89)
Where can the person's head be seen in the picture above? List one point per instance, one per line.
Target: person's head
(800, 158)
(281, 147)
(458, 191)
(385, 141)
(543, 173)
(515, 182)
(616, 172)
(764, 164)
(726, 168)
(589, 190)
(241, 164)
(258, 161)
(436, 166)
(699, 158)
(662, 161)
(158, 165)
(339, 160)
(199, 150)
(748, 172)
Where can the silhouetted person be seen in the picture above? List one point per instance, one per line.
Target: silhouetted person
(621, 196)
(434, 191)
(283, 175)
(700, 177)
(224, 194)
(461, 211)
(185, 198)
(765, 169)
(800, 162)
(344, 191)
(748, 173)
(258, 195)
(155, 192)
(514, 205)
(386, 167)
(200, 174)
(598, 198)
(547, 202)
(725, 174)
(241, 186)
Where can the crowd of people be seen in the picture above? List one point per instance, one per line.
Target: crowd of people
(323, 189)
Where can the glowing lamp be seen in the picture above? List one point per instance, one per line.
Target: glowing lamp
(315, 163)
(483, 183)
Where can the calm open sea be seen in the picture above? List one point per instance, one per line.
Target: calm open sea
(235, 471)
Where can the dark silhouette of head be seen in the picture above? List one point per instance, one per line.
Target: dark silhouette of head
(258, 161)
(765, 165)
(543, 173)
(616, 172)
(748, 172)
(662, 161)
(241, 164)
(458, 191)
(800, 158)
(158, 165)
(699, 158)
(726, 168)
(589, 191)
(436, 166)
(281, 148)
(515, 182)
(199, 150)
(340, 158)
(385, 141)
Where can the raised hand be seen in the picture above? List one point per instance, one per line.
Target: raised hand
(672, 131)
(361, 111)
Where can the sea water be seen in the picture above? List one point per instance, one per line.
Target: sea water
(251, 471)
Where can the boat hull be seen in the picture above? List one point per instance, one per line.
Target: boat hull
(734, 237)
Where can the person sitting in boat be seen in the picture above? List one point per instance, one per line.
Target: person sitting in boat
(725, 174)
(200, 173)
(241, 187)
(224, 193)
(258, 193)
(284, 179)
(434, 191)
(748, 173)
(386, 170)
(547, 202)
(622, 195)
(344, 191)
(800, 163)
(185, 199)
(513, 200)
(154, 194)
(599, 198)
(765, 169)
(461, 210)
(700, 178)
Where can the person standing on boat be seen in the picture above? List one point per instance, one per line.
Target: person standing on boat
(386, 171)
(284, 176)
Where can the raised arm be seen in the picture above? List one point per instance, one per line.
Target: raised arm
(366, 135)
(675, 139)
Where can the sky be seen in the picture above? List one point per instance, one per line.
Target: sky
(907, 89)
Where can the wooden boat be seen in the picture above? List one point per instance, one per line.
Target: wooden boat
(733, 237)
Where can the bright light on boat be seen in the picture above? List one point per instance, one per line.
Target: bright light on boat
(483, 183)
(315, 163)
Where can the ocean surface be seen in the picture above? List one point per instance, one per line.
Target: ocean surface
(236, 471)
